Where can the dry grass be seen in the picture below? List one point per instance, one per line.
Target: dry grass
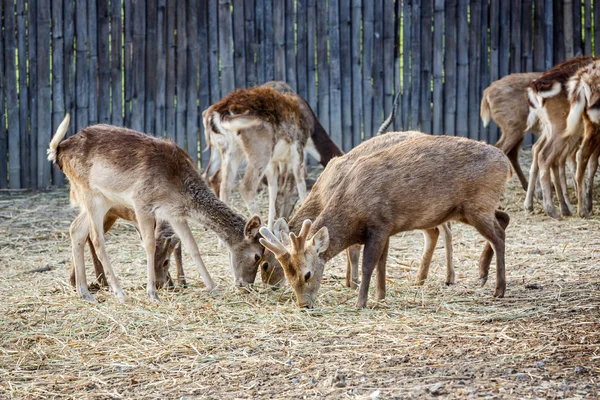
(542, 340)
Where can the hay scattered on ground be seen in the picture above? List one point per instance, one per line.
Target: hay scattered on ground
(542, 340)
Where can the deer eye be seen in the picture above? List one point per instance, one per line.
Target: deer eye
(256, 258)
(307, 276)
(166, 263)
(265, 266)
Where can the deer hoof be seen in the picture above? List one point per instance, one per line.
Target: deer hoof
(483, 281)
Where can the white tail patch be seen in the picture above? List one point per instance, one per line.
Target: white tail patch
(485, 111)
(58, 136)
(236, 124)
(532, 118)
(556, 88)
(575, 113)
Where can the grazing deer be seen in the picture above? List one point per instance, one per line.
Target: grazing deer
(584, 97)
(109, 166)
(332, 177)
(504, 102)
(267, 128)
(416, 184)
(167, 243)
(547, 98)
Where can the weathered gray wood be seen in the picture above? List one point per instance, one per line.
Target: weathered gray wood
(558, 52)
(302, 56)
(484, 65)
(33, 90)
(225, 48)
(538, 36)
(290, 44)
(587, 27)
(204, 70)
(58, 96)
(92, 19)
(269, 40)
(548, 39)
(527, 27)
(426, 65)
(192, 78)
(23, 93)
(3, 133)
(397, 124)
(279, 39)
(515, 36)
(44, 104)
(181, 73)
(171, 83)
(115, 63)
(357, 102)
(239, 48)
(323, 67)
(335, 93)
(568, 28)
(505, 32)
(161, 69)
(406, 53)
(259, 12)
(128, 64)
(311, 42)
(494, 56)
(462, 72)
(378, 69)
(450, 69)
(388, 55)
(138, 60)
(346, 72)
(249, 43)
(473, 66)
(12, 99)
(596, 28)
(577, 20)
(150, 70)
(438, 67)
(213, 43)
(103, 64)
(367, 86)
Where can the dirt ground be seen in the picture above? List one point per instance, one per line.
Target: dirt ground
(541, 341)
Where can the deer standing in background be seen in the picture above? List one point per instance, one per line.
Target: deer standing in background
(110, 167)
(417, 184)
(504, 102)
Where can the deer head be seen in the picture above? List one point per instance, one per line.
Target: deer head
(245, 254)
(300, 258)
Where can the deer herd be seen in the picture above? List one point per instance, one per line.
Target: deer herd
(394, 182)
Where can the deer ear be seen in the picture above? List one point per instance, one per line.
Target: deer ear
(320, 240)
(252, 227)
(281, 228)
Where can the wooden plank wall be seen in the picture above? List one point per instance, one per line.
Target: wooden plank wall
(155, 65)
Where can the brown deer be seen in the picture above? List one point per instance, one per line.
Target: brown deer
(504, 102)
(109, 166)
(271, 271)
(416, 184)
(167, 243)
(584, 98)
(265, 127)
(547, 97)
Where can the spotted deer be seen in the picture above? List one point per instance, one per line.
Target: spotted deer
(584, 99)
(109, 166)
(416, 184)
(265, 127)
(504, 102)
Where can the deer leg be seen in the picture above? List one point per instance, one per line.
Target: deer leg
(146, 225)
(485, 259)
(533, 174)
(96, 212)
(558, 189)
(545, 179)
(230, 165)
(587, 148)
(79, 231)
(182, 230)
(381, 265)
(299, 172)
(254, 173)
(450, 276)
(352, 258)
(179, 265)
(562, 171)
(511, 148)
(272, 174)
(374, 247)
(431, 237)
(593, 167)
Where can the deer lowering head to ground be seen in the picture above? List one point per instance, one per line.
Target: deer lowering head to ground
(584, 98)
(109, 166)
(504, 102)
(547, 98)
(167, 243)
(416, 184)
(265, 127)
(331, 178)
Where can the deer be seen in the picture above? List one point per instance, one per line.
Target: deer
(110, 166)
(268, 129)
(584, 99)
(167, 243)
(419, 183)
(504, 102)
(272, 272)
(547, 98)
(319, 145)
